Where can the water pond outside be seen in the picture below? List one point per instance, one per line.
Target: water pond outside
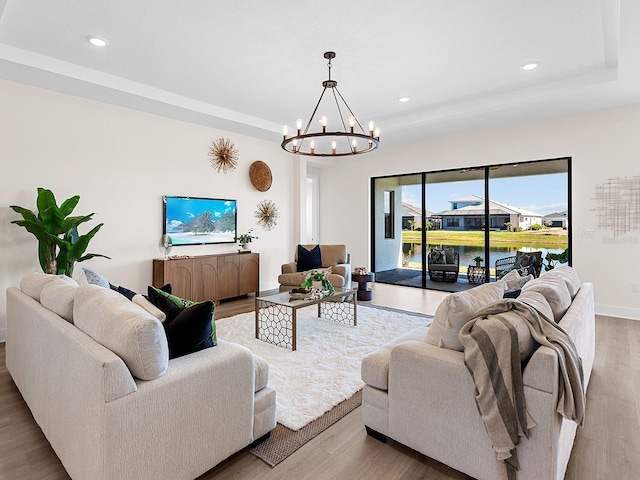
(413, 253)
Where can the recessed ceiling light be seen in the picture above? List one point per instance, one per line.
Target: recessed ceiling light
(530, 66)
(403, 99)
(96, 41)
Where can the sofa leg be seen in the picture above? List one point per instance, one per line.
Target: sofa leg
(377, 435)
(260, 440)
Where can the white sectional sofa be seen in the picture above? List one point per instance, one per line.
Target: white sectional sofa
(422, 395)
(103, 421)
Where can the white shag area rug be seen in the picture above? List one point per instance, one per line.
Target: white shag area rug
(325, 368)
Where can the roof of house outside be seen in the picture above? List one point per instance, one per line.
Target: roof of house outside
(564, 214)
(495, 208)
(409, 210)
(467, 199)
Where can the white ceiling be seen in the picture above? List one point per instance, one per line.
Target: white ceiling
(251, 66)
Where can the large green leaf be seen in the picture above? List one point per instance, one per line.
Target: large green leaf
(89, 256)
(73, 222)
(25, 212)
(68, 205)
(49, 212)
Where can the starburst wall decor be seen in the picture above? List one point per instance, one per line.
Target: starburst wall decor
(224, 155)
(267, 213)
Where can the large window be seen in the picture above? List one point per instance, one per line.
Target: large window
(489, 213)
(389, 205)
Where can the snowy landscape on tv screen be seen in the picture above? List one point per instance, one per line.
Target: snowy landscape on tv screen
(196, 221)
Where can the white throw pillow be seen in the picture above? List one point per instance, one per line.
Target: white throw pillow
(149, 307)
(123, 327)
(57, 296)
(554, 290)
(513, 281)
(456, 310)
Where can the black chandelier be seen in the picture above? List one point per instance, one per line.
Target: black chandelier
(338, 143)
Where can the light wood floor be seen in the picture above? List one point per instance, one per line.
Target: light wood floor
(608, 447)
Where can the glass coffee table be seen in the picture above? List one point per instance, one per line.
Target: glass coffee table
(276, 314)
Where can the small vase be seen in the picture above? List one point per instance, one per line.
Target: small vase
(316, 284)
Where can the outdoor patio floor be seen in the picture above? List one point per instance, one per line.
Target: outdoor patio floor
(411, 277)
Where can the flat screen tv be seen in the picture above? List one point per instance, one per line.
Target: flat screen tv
(199, 221)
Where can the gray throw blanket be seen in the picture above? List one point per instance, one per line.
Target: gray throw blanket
(492, 357)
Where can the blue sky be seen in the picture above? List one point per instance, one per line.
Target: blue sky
(541, 194)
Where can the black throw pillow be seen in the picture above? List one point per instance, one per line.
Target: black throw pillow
(126, 292)
(191, 330)
(170, 309)
(514, 294)
(308, 259)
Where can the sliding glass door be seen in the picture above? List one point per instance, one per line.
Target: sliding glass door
(529, 216)
(472, 217)
(398, 229)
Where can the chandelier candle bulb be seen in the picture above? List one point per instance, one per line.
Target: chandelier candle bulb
(285, 131)
(312, 145)
(352, 122)
(354, 144)
(333, 146)
(371, 125)
(295, 145)
(299, 126)
(376, 133)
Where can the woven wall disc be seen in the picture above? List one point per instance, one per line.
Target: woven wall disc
(260, 175)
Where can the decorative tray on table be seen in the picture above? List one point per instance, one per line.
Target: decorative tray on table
(304, 294)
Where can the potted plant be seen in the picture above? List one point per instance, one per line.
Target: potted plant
(60, 245)
(478, 260)
(245, 239)
(318, 280)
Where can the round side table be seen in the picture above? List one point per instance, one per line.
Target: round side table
(364, 292)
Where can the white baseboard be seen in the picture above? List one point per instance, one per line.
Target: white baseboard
(620, 312)
(3, 335)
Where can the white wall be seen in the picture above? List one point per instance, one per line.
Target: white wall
(603, 145)
(121, 162)
(388, 250)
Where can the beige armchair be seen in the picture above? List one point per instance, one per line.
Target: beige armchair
(334, 256)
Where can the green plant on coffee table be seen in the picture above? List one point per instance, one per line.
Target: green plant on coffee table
(60, 245)
(246, 238)
(318, 276)
(478, 260)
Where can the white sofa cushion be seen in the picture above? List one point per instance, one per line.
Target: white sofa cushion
(261, 371)
(554, 289)
(57, 296)
(538, 301)
(456, 310)
(570, 277)
(374, 369)
(33, 283)
(123, 327)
